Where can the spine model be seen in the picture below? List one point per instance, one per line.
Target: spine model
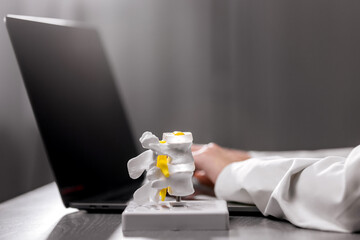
(169, 164)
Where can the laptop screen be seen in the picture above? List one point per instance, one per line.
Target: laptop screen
(77, 108)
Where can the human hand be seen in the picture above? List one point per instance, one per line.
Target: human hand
(211, 159)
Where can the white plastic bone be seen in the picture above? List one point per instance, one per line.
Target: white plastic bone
(137, 165)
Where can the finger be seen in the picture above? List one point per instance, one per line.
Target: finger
(203, 179)
(199, 160)
(201, 150)
(196, 147)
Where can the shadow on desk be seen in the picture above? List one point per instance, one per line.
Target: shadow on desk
(82, 225)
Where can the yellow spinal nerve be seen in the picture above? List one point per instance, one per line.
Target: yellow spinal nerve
(162, 163)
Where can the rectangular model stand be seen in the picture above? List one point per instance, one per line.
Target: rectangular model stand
(193, 215)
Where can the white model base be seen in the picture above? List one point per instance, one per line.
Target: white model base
(194, 215)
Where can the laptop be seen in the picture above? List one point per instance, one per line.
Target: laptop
(80, 115)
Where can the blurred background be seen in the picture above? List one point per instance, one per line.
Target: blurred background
(259, 75)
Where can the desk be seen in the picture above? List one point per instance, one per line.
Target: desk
(40, 214)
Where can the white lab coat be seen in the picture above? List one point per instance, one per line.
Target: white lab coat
(319, 192)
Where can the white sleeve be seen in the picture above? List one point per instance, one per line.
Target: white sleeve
(318, 193)
(320, 153)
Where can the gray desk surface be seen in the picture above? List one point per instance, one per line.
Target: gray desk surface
(40, 214)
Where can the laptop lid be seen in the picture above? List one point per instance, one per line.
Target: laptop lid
(80, 116)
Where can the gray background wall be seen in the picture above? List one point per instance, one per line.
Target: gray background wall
(266, 75)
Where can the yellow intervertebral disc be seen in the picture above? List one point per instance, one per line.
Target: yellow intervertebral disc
(177, 133)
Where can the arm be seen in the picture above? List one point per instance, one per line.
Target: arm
(319, 193)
